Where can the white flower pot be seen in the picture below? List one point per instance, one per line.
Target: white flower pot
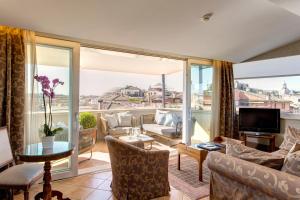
(47, 142)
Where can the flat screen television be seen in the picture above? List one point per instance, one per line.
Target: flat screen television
(259, 120)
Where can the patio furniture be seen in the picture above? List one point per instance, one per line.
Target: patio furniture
(136, 138)
(105, 127)
(87, 141)
(19, 177)
(36, 153)
(150, 126)
(137, 173)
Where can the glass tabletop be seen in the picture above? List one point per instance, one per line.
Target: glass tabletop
(38, 150)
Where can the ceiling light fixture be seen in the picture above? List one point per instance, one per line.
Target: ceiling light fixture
(206, 17)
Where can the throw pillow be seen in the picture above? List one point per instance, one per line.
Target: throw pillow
(125, 119)
(160, 116)
(111, 120)
(235, 149)
(171, 119)
(291, 136)
(291, 163)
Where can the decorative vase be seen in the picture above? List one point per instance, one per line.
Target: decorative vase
(47, 142)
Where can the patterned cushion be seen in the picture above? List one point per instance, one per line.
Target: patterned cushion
(243, 152)
(292, 161)
(160, 116)
(171, 119)
(291, 136)
(111, 120)
(124, 119)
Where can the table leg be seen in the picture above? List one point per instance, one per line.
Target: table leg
(178, 162)
(47, 193)
(47, 190)
(200, 170)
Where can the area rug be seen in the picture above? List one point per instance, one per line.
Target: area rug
(187, 179)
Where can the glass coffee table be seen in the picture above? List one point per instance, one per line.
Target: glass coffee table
(135, 138)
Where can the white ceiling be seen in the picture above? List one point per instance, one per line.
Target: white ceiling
(239, 29)
(290, 5)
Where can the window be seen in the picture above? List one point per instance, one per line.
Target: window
(112, 80)
(274, 92)
(271, 83)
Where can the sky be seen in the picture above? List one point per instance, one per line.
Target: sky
(93, 82)
(274, 83)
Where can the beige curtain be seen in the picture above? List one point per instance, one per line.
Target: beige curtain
(12, 84)
(31, 98)
(223, 104)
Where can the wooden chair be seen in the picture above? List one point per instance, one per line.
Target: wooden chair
(19, 177)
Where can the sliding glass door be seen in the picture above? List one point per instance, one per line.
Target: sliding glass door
(198, 99)
(57, 59)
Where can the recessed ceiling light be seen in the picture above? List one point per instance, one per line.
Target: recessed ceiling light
(206, 17)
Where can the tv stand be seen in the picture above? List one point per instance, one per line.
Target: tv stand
(270, 137)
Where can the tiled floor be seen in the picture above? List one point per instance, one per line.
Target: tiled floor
(92, 187)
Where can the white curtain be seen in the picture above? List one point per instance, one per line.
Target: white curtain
(31, 100)
(215, 107)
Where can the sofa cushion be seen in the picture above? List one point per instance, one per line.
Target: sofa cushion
(160, 116)
(23, 174)
(171, 119)
(243, 152)
(124, 119)
(291, 136)
(119, 131)
(291, 163)
(112, 120)
(281, 152)
(160, 129)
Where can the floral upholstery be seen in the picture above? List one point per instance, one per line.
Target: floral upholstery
(292, 161)
(137, 173)
(291, 136)
(233, 178)
(238, 150)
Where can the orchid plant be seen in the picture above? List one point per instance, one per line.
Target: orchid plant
(48, 95)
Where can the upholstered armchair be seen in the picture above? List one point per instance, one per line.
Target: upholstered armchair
(137, 173)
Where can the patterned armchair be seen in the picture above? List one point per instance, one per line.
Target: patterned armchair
(137, 173)
(233, 178)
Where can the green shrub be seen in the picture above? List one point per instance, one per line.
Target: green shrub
(87, 120)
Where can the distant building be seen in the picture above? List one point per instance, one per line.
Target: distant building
(132, 91)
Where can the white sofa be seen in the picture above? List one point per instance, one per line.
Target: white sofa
(151, 126)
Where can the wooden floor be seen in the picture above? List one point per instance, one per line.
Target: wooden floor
(94, 186)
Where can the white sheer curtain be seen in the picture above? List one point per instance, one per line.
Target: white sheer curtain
(31, 100)
(215, 107)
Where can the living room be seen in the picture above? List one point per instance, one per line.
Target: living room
(149, 100)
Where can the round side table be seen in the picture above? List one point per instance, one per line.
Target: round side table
(36, 153)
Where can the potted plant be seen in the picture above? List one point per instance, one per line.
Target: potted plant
(88, 123)
(48, 96)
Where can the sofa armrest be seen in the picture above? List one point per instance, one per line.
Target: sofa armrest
(147, 119)
(272, 182)
(104, 124)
